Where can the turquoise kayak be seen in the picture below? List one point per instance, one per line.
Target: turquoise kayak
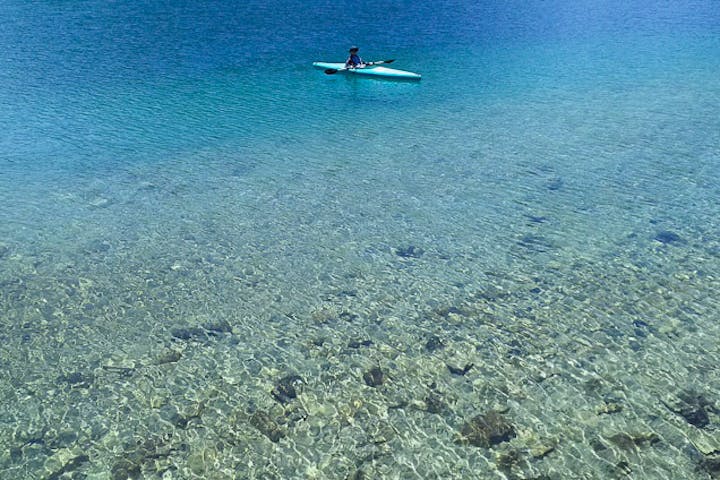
(371, 70)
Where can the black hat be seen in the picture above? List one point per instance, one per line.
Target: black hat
(354, 49)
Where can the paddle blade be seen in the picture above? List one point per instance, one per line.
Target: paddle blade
(330, 71)
(388, 61)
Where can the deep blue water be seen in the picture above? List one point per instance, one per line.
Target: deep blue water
(94, 83)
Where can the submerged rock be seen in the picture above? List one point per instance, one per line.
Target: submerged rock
(435, 404)
(374, 377)
(629, 441)
(410, 251)
(434, 343)
(535, 243)
(168, 356)
(98, 246)
(267, 426)
(666, 236)
(460, 371)
(287, 388)
(217, 327)
(536, 218)
(508, 461)
(695, 415)
(608, 408)
(623, 468)
(711, 464)
(360, 343)
(142, 456)
(77, 379)
(65, 461)
(692, 407)
(554, 183)
(190, 333)
(487, 430)
(213, 328)
(445, 312)
(124, 469)
(348, 316)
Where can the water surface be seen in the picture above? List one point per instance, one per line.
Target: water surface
(217, 262)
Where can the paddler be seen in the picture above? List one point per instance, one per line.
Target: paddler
(354, 60)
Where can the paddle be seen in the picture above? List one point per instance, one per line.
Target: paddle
(332, 71)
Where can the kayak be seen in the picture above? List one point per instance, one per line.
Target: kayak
(371, 70)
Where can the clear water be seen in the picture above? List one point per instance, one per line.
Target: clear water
(192, 216)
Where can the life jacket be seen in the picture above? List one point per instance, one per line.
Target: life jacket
(354, 60)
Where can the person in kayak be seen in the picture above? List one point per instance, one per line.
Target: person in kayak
(354, 60)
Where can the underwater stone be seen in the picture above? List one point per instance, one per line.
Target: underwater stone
(286, 389)
(125, 469)
(201, 461)
(347, 316)
(554, 183)
(597, 445)
(623, 467)
(608, 408)
(447, 311)
(410, 251)
(630, 441)
(192, 333)
(434, 404)
(358, 344)
(691, 405)
(516, 348)
(69, 465)
(536, 219)
(491, 294)
(358, 474)
(542, 450)
(711, 464)
(694, 414)
(16, 454)
(98, 246)
(4, 250)
(374, 377)
(77, 379)
(65, 439)
(613, 332)
(535, 243)
(509, 460)
(666, 236)
(169, 356)
(460, 371)
(487, 430)
(267, 426)
(181, 421)
(217, 327)
(434, 343)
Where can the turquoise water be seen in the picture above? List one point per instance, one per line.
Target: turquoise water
(218, 262)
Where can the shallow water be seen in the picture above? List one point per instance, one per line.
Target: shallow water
(217, 262)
